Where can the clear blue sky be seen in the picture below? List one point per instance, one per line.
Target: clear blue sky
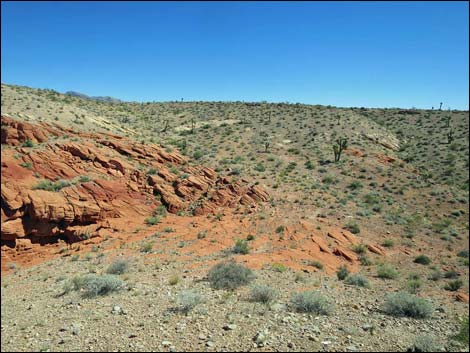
(383, 54)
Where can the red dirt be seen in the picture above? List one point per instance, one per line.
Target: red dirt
(118, 196)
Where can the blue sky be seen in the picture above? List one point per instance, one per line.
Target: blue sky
(372, 54)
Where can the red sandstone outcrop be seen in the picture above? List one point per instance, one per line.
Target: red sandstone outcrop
(100, 181)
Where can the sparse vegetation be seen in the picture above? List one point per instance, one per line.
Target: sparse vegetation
(311, 302)
(229, 276)
(404, 304)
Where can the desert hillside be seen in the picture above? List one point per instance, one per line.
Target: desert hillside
(354, 204)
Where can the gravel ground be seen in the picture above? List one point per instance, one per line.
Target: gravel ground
(141, 316)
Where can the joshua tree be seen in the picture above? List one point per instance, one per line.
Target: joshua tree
(440, 106)
(450, 136)
(192, 125)
(447, 121)
(339, 147)
(267, 143)
(165, 127)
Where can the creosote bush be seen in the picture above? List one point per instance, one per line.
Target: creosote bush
(311, 302)
(403, 304)
(262, 294)
(342, 273)
(387, 271)
(187, 300)
(229, 275)
(118, 267)
(357, 280)
(241, 247)
(422, 259)
(92, 285)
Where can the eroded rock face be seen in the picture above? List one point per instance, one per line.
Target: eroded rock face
(94, 178)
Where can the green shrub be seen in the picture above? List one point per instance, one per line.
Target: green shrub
(463, 253)
(262, 294)
(187, 300)
(174, 280)
(146, 247)
(51, 186)
(152, 220)
(352, 227)
(357, 280)
(454, 285)
(342, 273)
(311, 302)
(451, 274)
(316, 264)
(462, 336)
(118, 267)
(355, 185)
(422, 259)
(278, 267)
(27, 165)
(365, 261)
(424, 343)
(435, 275)
(28, 143)
(241, 247)
(414, 285)
(407, 305)
(229, 275)
(388, 243)
(359, 248)
(93, 285)
(387, 271)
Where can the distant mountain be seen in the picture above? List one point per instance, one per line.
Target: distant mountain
(95, 98)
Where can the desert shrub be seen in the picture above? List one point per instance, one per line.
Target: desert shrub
(262, 294)
(422, 259)
(316, 264)
(435, 275)
(352, 227)
(241, 247)
(84, 179)
(388, 243)
(51, 186)
(462, 336)
(146, 247)
(453, 285)
(425, 343)
(451, 274)
(463, 253)
(118, 267)
(357, 280)
(152, 220)
(278, 267)
(311, 302)
(229, 275)
(414, 285)
(93, 285)
(365, 261)
(404, 304)
(28, 143)
(174, 280)
(387, 271)
(355, 185)
(359, 248)
(342, 272)
(187, 300)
